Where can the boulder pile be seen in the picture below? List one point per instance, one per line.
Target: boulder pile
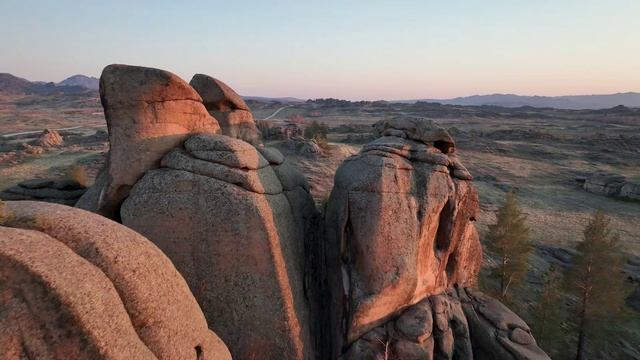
(65, 192)
(456, 324)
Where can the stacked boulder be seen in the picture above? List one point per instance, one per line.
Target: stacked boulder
(232, 218)
(227, 107)
(399, 230)
(75, 285)
(148, 113)
(65, 192)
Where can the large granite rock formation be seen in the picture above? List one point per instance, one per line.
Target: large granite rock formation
(75, 285)
(399, 230)
(148, 113)
(232, 219)
(65, 192)
(399, 225)
(228, 107)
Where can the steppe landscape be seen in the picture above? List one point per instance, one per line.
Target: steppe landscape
(545, 155)
(335, 180)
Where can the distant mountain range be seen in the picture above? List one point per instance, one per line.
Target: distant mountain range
(81, 83)
(573, 102)
(74, 85)
(285, 100)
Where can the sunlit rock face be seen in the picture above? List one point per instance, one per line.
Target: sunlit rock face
(233, 219)
(148, 112)
(399, 225)
(75, 285)
(228, 107)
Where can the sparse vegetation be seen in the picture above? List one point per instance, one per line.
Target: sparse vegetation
(508, 238)
(548, 311)
(594, 278)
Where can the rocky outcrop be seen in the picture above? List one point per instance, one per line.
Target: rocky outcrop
(228, 107)
(50, 138)
(232, 219)
(399, 226)
(65, 192)
(148, 113)
(75, 285)
(612, 185)
(457, 324)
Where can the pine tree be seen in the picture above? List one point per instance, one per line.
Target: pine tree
(547, 311)
(508, 238)
(595, 278)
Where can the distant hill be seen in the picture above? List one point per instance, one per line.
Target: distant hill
(574, 102)
(284, 100)
(14, 85)
(82, 81)
(11, 84)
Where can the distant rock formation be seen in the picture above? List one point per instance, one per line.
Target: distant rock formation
(612, 185)
(227, 107)
(50, 138)
(233, 221)
(75, 285)
(148, 113)
(65, 192)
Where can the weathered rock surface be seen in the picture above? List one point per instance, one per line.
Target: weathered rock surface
(612, 185)
(233, 222)
(50, 138)
(148, 113)
(399, 226)
(65, 192)
(457, 324)
(228, 107)
(75, 285)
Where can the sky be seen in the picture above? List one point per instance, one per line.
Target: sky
(343, 49)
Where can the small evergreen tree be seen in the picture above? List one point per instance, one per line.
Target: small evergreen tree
(595, 278)
(509, 239)
(316, 130)
(547, 311)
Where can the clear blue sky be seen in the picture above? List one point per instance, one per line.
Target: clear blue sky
(347, 49)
